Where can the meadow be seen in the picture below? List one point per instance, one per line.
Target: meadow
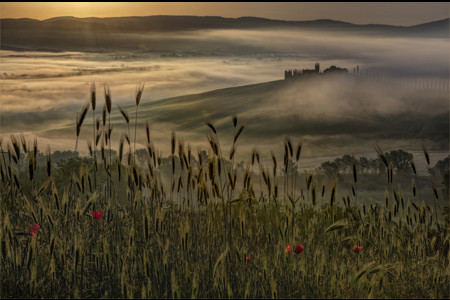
(107, 225)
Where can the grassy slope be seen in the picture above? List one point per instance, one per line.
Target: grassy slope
(335, 116)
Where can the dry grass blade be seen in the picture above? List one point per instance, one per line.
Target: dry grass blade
(124, 113)
(172, 140)
(200, 158)
(173, 164)
(97, 138)
(286, 155)
(30, 167)
(253, 156)
(48, 161)
(147, 130)
(308, 180)
(127, 138)
(97, 122)
(299, 149)
(381, 155)
(90, 148)
(213, 144)
(413, 166)
(35, 148)
(427, 157)
(11, 154)
(24, 143)
(110, 131)
(230, 178)
(83, 114)
(189, 153)
(210, 125)
(211, 169)
(185, 160)
(433, 187)
(219, 166)
(121, 148)
(139, 90)
(92, 93)
(289, 144)
(15, 145)
(234, 119)
(104, 114)
(232, 151)
(239, 131)
(274, 159)
(107, 97)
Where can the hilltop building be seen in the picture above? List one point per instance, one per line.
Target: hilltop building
(295, 73)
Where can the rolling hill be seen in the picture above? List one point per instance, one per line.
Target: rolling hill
(88, 34)
(333, 114)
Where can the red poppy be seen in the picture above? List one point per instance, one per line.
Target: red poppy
(357, 249)
(299, 249)
(288, 248)
(97, 214)
(33, 229)
(249, 259)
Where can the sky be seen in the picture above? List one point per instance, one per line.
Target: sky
(399, 14)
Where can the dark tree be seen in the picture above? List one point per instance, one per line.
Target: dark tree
(329, 168)
(441, 167)
(400, 160)
(364, 164)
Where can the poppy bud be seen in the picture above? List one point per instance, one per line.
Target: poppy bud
(357, 249)
(288, 249)
(299, 249)
(33, 229)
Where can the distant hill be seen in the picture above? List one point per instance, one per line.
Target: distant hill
(70, 33)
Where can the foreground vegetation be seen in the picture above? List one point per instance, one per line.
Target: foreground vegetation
(109, 227)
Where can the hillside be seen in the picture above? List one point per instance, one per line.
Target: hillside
(333, 114)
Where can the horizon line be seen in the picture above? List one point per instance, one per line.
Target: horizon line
(211, 16)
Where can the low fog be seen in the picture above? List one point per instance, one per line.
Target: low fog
(41, 92)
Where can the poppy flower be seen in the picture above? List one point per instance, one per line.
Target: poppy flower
(288, 248)
(357, 249)
(33, 229)
(249, 259)
(299, 249)
(97, 214)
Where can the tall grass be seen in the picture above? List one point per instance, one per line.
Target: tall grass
(147, 245)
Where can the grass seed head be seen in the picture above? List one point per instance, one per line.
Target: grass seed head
(147, 130)
(15, 145)
(24, 143)
(107, 97)
(299, 149)
(104, 114)
(139, 91)
(92, 94)
(124, 113)
(210, 125)
(425, 152)
(239, 131)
